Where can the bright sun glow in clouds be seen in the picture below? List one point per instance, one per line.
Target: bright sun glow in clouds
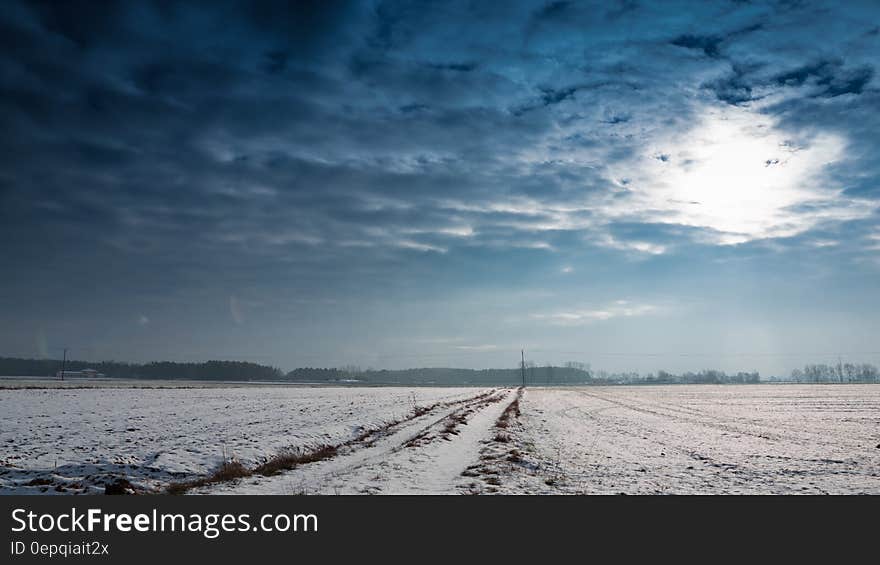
(736, 174)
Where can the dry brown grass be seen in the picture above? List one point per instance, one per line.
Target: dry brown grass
(511, 412)
(291, 459)
(453, 421)
(227, 471)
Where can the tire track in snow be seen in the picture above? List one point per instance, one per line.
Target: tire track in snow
(680, 415)
(396, 462)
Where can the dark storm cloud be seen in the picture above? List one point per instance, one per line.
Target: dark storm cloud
(298, 145)
(734, 88)
(831, 76)
(708, 44)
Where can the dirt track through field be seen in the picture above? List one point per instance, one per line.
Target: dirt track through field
(424, 455)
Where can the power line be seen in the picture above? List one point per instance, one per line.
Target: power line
(63, 363)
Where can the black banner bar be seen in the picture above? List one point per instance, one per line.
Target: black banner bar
(242, 529)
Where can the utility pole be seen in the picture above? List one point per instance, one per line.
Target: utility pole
(522, 353)
(64, 364)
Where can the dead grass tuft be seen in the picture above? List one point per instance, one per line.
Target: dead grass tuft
(227, 471)
(512, 411)
(230, 470)
(293, 458)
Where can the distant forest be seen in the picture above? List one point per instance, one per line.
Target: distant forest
(209, 370)
(442, 376)
(839, 373)
(571, 373)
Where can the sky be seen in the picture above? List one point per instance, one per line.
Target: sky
(634, 185)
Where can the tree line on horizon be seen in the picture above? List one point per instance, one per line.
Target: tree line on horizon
(208, 370)
(569, 373)
(840, 373)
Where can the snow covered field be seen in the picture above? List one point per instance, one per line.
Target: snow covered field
(702, 439)
(699, 439)
(77, 439)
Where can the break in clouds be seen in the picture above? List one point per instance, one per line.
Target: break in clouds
(323, 181)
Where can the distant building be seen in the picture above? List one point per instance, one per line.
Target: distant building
(83, 374)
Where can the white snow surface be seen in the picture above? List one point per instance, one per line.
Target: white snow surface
(418, 457)
(81, 438)
(700, 439)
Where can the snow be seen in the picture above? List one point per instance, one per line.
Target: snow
(702, 439)
(417, 458)
(79, 438)
(684, 439)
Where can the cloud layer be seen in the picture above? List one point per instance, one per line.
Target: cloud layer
(260, 157)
